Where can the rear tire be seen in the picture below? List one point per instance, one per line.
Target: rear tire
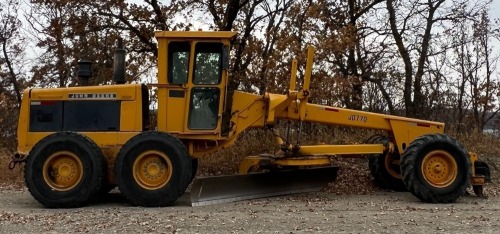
(153, 169)
(384, 171)
(64, 170)
(436, 168)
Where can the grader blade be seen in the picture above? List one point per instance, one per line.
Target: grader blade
(222, 189)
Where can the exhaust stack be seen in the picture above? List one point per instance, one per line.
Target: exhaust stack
(84, 72)
(119, 63)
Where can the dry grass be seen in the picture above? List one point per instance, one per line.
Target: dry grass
(7, 176)
(226, 162)
(353, 178)
(487, 147)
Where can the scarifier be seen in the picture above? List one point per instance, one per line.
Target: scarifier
(79, 142)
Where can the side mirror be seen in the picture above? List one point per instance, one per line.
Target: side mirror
(225, 57)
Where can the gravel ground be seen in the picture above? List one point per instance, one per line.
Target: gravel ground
(381, 212)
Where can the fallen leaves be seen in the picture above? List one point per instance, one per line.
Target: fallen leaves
(353, 178)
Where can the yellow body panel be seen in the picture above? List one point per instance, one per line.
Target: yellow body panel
(342, 149)
(131, 121)
(126, 92)
(130, 118)
(251, 163)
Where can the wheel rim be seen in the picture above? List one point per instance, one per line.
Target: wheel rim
(439, 168)
(152, 169)
(389, 160)
(62, 171)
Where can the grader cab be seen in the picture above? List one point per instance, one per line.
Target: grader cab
(80, 142)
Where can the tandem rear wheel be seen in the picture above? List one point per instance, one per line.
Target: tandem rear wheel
(436, 168)
(64, 170)
(385, 168)
(153, 169)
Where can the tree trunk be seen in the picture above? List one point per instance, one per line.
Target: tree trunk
(407, 92)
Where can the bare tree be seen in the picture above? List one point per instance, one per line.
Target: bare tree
(413, 76)
(12, 77)
(12, 50)
(484, 87)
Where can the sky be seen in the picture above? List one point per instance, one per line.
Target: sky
(495, 9)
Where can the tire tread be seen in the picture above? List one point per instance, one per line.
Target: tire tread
(76, 201)
(421, 189)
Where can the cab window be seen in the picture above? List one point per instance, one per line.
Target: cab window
(204, 108)
(208, 63)
(178, 62)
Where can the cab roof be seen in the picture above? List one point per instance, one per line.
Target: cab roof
(196, 34)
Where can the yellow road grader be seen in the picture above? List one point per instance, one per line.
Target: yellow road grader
(79, 142)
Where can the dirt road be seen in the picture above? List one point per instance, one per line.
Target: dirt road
(320, 212)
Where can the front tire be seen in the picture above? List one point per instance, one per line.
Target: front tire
(153, 169)
(436, 168)
(64, 170)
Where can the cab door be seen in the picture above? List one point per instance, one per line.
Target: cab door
(207, 88)
(176, 91)
(195, 89)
